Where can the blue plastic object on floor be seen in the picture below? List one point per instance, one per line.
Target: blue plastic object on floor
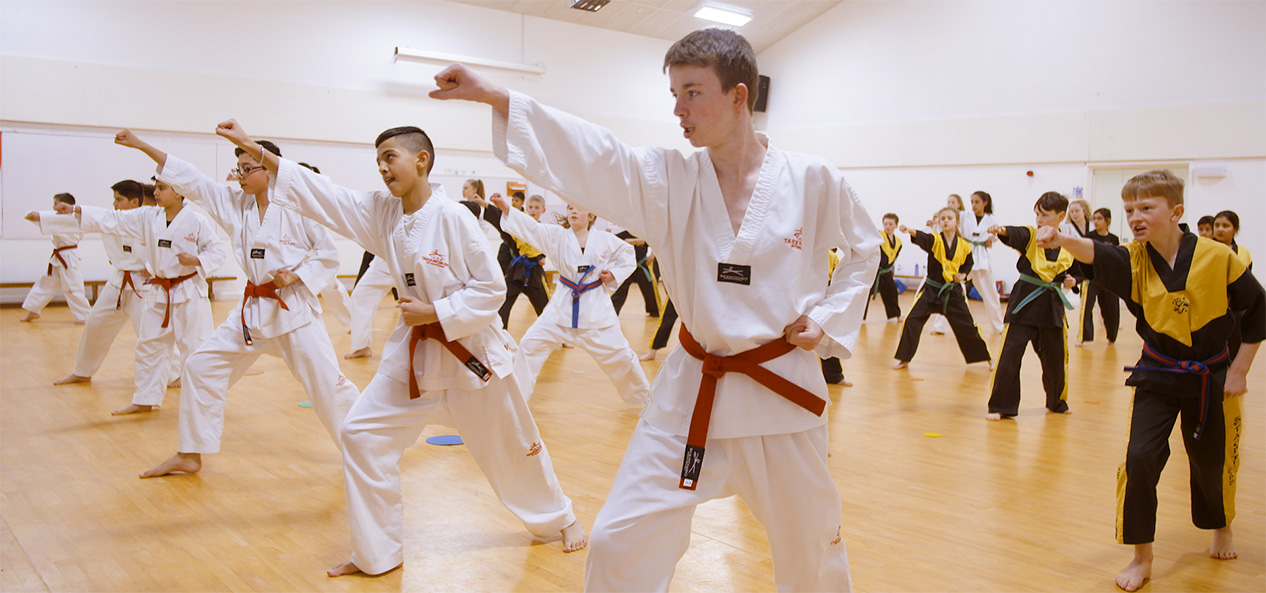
(305, 404)
(444, 439)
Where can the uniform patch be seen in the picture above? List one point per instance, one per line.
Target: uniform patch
(436, 259)
(794, 239)
(534, 449)
(127, 249)
(408, 279)
(164, 243)
(192, 238)
(286, 240)
(1181, 304)
(257, 253)
(734, 273)
(582, 270)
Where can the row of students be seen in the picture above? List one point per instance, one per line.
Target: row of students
(1223, 228)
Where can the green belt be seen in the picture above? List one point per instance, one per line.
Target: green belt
(976, 243)
(941, 289)
(875, 288)
(1041, 287)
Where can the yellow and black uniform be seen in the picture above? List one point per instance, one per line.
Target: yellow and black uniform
(1109, 304)
(885, 284)
(1185, 318)
(941, 294)
(644, 277)
(1035, 313)
(832, 370)
(1242, 253)
(524, 275)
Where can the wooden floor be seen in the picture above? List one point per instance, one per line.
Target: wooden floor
(1024, 505)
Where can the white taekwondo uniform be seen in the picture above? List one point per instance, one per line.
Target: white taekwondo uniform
(375, 283)
(735, 292)
(176, 317)
(294, 332)
(62, 274)
(334, 298)
(436, 255)
(590, 322)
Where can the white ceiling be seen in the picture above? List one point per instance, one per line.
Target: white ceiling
(673, 19)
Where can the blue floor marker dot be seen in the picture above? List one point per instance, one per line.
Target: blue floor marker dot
(305, 404)
(444, 439)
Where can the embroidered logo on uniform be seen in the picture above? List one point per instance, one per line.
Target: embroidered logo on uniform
(164, 242)
(1181, 304)
(341, 381)
(257, 253)
(192, 238)
(286, 240)
(734, 273)
(837, 539)
(127, 249)
(536, 448)
(794, 239)
(436, 259)
(408, 279)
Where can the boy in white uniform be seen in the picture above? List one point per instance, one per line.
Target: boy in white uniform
(121, 296)
(181, 250)
(739, 229)
(63, 273)
(366, 296)
(448, 361)
(284, 257)
(591, 265)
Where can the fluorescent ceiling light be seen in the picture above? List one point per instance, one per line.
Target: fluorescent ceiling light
(720, 13)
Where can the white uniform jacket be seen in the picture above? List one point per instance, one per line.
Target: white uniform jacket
(437, 255)
(190, 232)
(124, 253)
(603, 251)
(283, 239)
(733, 291)
(978, 232)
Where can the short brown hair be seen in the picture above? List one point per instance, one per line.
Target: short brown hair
(1157, 183)
(725, 51)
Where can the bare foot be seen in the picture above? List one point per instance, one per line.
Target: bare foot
(72, 378)
(342, 569)
(174, 384)
(894, 319)
(1078, 344)
(131, 409)
(993, 416)
(901, 364)
(649, 355)
(845, 382)
(991, 364)
(1111, 343)
(1223, 548)
(936, 333)
(77, 322)
(1139, 570)
(362, 353)
(30, 317)
(574, 537)
(188, 463)
(1065, 412)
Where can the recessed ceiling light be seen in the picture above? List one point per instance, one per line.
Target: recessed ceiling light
(721, 13)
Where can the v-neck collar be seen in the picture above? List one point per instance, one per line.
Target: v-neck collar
(408, 230)
(738, 247)
(1174, 279)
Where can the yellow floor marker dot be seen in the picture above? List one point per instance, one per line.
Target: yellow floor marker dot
(1091, 401)
(932, 435)
(916, 378)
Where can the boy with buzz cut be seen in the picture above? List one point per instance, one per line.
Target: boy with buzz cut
(1182, 289)
(1035, 313)
(740, 228)
(448, 360)
(885, 282)
(63, 274)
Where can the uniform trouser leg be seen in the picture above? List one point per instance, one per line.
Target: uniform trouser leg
(644, 526)
(1086, 313)
(513, 290)
(913, 326)
(666, 322)
(1004, 388)
(538, 297)
(832, 370)
(189, 325)
(102, 327)
(986, 287)
(940, 323)
(965, 330)
(1110, 305)
(309, 354)
(542, 339)
(1054, 356)
(334, 298)
(621, 293)
(73, 288)
(649, 299)
(499, 431)
(611, 350)
(217, 364)
(42, 292)
(888, 292)
(1214, 459)
(365, 299)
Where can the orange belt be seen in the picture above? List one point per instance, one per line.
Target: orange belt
(714, 367)
(127, 281)
(167, 283)
(266, 290)
(433, 331)
(57, 253)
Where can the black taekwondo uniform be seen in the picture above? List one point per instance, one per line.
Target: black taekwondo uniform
(885, 283)
(941, 294)
(1109, 304)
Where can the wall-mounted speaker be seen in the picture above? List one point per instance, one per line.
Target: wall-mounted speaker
(762, 94)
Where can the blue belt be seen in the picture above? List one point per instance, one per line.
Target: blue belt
(1041, 288)
(1190, 367)
(578, 288)
(528, 264)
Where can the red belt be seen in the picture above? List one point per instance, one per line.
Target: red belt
(266, 290)
(433, 331)
(57, 253)
(127, 281)
(714, 367)
(167, 283)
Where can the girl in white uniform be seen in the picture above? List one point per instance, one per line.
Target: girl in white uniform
(63, 274)
(739, 229)
(448, 361)
(591, 265)
(284, 257)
